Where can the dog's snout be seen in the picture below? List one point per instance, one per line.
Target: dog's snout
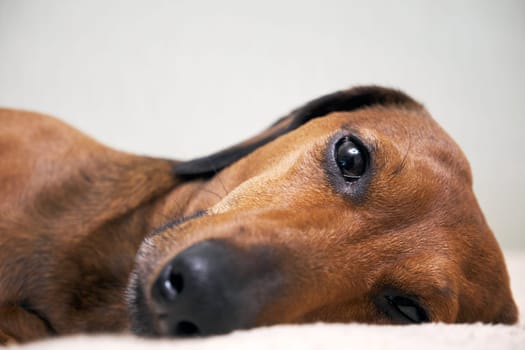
(206, 289)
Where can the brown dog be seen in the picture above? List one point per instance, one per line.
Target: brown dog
(356, 207)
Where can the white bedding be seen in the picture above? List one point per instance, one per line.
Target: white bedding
(326, 336)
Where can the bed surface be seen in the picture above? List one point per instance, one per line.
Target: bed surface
(326, 336)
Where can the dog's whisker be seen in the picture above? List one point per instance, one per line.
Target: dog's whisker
(217, 175)
(212, 192)
(402, 163)
(222, 184)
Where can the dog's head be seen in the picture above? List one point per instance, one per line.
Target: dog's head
(357, 207)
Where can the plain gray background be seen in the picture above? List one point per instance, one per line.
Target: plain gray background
(184, 78)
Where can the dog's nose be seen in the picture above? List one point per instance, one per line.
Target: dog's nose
(209, 288)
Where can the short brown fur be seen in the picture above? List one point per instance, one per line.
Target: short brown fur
(74, 213)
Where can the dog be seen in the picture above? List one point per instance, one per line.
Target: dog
(356, 207)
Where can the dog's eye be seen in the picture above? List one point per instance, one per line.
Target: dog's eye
(351, 158)
(405, 309)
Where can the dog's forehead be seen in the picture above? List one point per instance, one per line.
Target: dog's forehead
(411, 130)
(383, 121)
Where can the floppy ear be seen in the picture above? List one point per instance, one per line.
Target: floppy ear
(345, 100)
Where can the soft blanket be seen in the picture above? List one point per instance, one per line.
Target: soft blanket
(327, 336)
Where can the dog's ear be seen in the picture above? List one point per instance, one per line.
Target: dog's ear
(346, 100)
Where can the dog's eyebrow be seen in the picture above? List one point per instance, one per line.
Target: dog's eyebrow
(176, 222)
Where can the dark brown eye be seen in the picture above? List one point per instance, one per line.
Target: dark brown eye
(351, 159)
(407, 308)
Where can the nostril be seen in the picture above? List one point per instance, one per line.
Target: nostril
(186, 329)
(169, 285)
(176, 281)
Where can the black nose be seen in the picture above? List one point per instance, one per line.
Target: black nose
(211, 287)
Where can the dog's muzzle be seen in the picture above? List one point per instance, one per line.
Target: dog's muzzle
(213, 287)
